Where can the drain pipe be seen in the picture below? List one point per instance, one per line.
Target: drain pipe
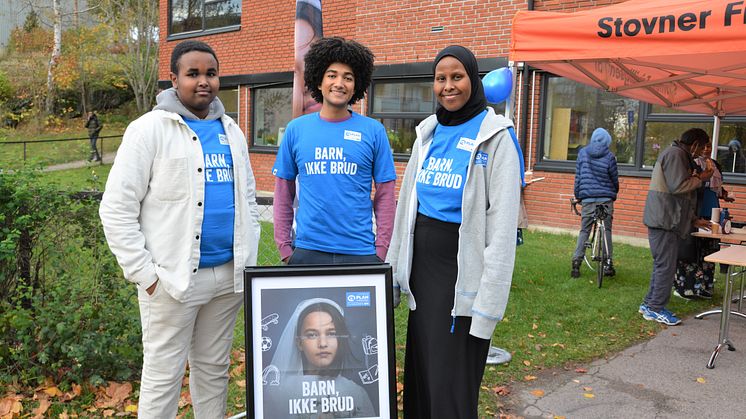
(524, 101)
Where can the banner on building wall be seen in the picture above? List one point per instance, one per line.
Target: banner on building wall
(308, 28)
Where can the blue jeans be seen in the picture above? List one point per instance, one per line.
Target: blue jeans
(315, 257)
(587, 223)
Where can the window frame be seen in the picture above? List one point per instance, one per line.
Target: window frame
(645, 116)
(197, 33)
(398, 156)
(253, 146)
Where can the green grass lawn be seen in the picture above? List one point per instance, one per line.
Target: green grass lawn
(91, 177)
(552, 320)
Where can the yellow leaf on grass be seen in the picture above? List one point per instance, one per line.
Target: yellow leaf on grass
(241, 383)
(537, 393)
(527, 363)
(534, 326)
(701, 380)
(132, 408)
(53, 391)
(559, 417)
(589, 395)
(529, 378)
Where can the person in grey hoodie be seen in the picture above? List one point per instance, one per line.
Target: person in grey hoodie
(453, 246)
(179, 213)
(596, 183)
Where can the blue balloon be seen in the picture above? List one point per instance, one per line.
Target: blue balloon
(497, 84)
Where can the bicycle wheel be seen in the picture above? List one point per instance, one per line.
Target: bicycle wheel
(599, 250)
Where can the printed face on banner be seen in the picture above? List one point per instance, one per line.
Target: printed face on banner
(319, 352)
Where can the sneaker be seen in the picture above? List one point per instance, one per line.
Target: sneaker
(703, 293)
(663, 316)
(575, 272)
(668, 312)
(498, 356)
(685, 294)
(643, 309)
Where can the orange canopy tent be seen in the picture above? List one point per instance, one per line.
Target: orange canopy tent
(682, 54)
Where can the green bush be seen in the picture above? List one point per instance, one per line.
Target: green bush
(6, 89)
(65, 312)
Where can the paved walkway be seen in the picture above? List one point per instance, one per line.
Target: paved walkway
(108, 158)
(662, 378)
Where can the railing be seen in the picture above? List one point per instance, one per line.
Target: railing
(26, 143)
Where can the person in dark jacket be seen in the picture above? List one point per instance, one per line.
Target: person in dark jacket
(94, 127)
(596, 183)
(670, 213)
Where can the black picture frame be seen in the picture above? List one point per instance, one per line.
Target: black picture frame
(358, 374)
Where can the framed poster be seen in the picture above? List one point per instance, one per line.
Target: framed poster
(320, 342)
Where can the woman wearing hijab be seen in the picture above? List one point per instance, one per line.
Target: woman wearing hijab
(454, 240)
(311, 357)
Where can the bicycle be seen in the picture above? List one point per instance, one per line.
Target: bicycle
(596, 240)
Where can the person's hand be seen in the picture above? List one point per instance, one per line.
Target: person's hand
(703, 224)
(151, 289)
(707, 172)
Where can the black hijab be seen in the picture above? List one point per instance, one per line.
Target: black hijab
(477, 101)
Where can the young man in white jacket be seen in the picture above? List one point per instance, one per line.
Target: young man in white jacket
(179, 213)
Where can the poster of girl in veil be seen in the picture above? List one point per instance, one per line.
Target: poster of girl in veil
(321, 342)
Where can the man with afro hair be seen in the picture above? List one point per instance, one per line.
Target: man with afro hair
(336, 155)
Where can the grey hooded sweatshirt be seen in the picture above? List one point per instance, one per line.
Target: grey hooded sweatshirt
(487, 235)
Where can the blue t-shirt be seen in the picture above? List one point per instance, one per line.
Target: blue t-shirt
(216, 241)
(440, 182)
(336, 163)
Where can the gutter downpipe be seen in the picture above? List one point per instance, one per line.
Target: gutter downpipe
(524, 102)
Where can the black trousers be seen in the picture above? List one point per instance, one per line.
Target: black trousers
(442, 369)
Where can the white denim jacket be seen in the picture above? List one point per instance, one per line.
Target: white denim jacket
(152, 208)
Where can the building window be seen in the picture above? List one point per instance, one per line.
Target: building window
(574, 110)
(229, 98)
(272, 111)
(402, 104)
(730, 154)
(203, 15)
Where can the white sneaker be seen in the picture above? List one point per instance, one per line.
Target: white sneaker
(498, 356)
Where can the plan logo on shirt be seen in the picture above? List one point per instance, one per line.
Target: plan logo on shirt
(353, 135)
(223, 139)
(481, 159)
(466, 144)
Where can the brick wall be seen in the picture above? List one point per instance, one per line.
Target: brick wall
(399, 31)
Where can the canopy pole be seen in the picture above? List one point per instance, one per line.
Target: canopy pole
(510, 101)
(531, 124)
(715, 137)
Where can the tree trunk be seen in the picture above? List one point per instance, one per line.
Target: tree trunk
(56, 51)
